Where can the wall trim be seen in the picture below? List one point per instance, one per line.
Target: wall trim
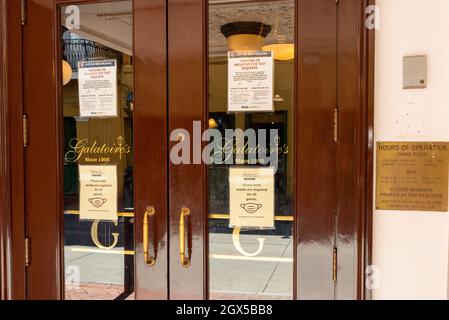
(368, 75)
(367, 82)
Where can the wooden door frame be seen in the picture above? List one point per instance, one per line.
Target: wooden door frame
(355, 101)
(12, 217)
(5, 210)
(187, 94)
(315, 149)
(150, 58)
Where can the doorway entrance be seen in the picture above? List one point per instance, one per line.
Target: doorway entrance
(193, 150)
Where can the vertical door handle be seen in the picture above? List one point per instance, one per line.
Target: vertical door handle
(151, 261)
(185, 262)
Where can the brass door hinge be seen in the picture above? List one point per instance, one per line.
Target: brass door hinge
(27, 252)
(25, 130)
(23, 12)
(334, 265)
(336, 125)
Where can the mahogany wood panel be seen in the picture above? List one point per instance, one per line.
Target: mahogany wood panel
(316, 200)
(150, 144)
(12, 213)
(354, 148)
(349, 147)
(43, 157)
(15, 105)
(5, 200)
(187, 183)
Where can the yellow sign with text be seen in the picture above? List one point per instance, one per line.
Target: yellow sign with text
(412, 176)
(251, 197)
(98, 193)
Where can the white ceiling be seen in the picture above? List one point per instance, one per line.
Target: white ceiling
(111, 23)
(278, 13)
(108, 23)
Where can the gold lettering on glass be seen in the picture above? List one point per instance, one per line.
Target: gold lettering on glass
(96, 152)
(94, 235)
(238, 246)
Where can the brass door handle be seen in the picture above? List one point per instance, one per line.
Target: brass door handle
(185, 262)
(151, 261)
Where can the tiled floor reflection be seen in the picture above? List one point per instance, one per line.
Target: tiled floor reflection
(93, 275)
(94, 291)
(244, 296)
(267, 275)
(235, 275)
(95, 267)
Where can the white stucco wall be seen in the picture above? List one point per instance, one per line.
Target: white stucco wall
(411, 248)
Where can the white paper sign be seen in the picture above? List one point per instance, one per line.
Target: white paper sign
(250, 81)
(98, 192)
(97, 83)
(251, 199)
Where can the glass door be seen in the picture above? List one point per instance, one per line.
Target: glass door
(252, 176)
(98, 150)
(101, 232)
(114, 152)
(194, 164)
(251, 187)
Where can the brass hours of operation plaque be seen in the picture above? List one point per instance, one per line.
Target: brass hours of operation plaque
(412, 176)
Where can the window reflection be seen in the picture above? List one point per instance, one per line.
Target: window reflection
(251, 263)
(98, 254)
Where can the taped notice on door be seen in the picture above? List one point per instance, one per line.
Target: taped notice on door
(97, 85)
(251, 197)
(98, 192)
(250, 81)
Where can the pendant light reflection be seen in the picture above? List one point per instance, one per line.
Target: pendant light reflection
(250, 36)
(212, 123)
(278, 98)
(282, 51)
(245, 35)
(67, 72)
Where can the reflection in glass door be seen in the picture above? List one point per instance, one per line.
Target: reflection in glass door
(252, 89)
(98, 103)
